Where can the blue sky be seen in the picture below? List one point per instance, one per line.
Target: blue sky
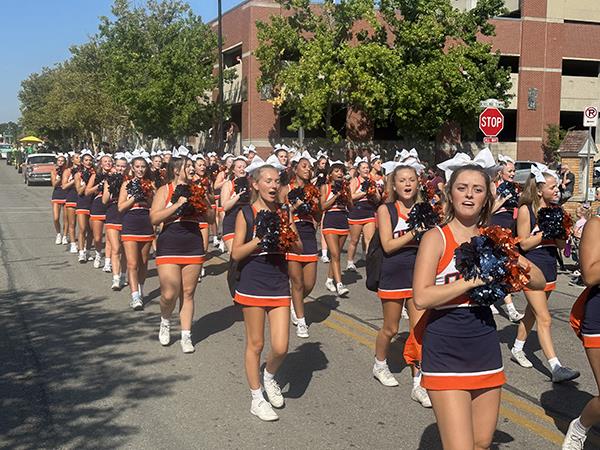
(38, 33)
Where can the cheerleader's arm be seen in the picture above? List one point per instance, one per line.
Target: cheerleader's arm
(589, 252)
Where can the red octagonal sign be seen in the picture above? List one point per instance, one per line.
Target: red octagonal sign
(491, 121)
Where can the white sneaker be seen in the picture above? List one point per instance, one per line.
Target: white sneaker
(222, 247)
(263, 410)
(419, 395)
(330, 285)
(136, 302)
(97, 261)
(215, 242)
(164, 334)
(342, 290)
(203, 272)
(519, 357)
(65, 240)
(384, 376)
(107, 266)
(116, 283)
(58, 239)
(325, 259)
(90, 257)
(404, 313)
(273, 393)
(494, 310)
(82, 258)
(186, 345)
(515, 316)
(124, 281)
(573, 441)
(73, 248)
(351, 267)
(302, 331)
(293, 316)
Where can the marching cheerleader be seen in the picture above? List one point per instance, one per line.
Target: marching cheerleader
(320, 178)
(137, 232)
(84, 204)
(504, 214)
(395, 283)
(59, 198)
(95, 188)
(262, 289)
(222, 177)
(461, 358)
(361, 218)
(68, 185)
(234, 195)
(541, 191)
(302, 267)
(179, 248)
(585, 319)
(335, 200)
(113, 223)
(206, 220)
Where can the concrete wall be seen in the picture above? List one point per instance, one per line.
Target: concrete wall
(583, 10)
(579, 92)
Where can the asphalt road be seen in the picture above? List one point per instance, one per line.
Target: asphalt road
(81, 370)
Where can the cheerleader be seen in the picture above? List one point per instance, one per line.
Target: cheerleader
(222, 177)
(206, 220)
(585, 319)
(113, 222)
(234, 195)
(335, 200)
(461, 358)
(137, 232)
(59, 198)
(179, 249)
(95, 188)
(320, 178)
(302, 267)
(262, 289)
(68, 185)
(361, 217)
(541, 191)
(395, 284)
(84, 204)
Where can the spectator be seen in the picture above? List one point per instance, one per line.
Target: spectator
(566, 184)
(598, 200)
(583, 214)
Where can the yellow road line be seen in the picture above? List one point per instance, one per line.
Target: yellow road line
(524, 406)
(540, 430)
(352, 323)
(368, 342)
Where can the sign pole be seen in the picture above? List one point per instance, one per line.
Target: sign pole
(589, 165)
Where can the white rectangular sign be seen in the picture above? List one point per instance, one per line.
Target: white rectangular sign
(590, 116)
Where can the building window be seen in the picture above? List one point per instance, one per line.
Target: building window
(573, 120)
(509, 62)
(233, 56)
(580, 68)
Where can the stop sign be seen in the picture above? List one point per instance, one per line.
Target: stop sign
(491, 121)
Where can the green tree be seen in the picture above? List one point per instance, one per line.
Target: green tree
(554, 137)
(417, 63)
(158, 64)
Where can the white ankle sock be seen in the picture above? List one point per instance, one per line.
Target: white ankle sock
(417, 379)
(268, 376)
(302, 321)
(329, 280)
(578, 427)
(380, 364)
(186, 333)
(350, 262)
(323, 252)
(116, 278)
(256, 394)
(511, 307)
(554, 363)
(167, 322)
(107, 261)
(518, 345)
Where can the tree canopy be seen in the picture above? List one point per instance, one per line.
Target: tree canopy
(416, 63)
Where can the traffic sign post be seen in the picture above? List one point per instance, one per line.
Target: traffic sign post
(590, 120)
(491, 121)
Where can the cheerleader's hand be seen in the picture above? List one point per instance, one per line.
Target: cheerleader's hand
(181, 201)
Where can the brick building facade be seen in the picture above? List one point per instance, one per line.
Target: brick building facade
(551, 46)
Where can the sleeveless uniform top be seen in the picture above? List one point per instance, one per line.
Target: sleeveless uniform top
(307, 232)
(136, 225)
(338, 205)
(231, 214)
(461, 348)
(71, 193)
(397, 268)
(544, 255)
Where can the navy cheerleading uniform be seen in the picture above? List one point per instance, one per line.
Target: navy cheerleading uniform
(585, 317)
(84, 202)
(461, 348)
(544, 255)
(180, 241)
(307, 233)
(264, 279)
(71, 193)
(98, 209)
(114, 219)
(363, 211)
(136, 225)
(395, 281)
(335, 219)
(59, 196)
(231, 214)
(505, 218)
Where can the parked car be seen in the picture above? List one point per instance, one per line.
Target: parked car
(522, 171)
(38, 167)
(5, 149)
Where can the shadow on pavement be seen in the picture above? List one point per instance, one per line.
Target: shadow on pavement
(215, 322)
(298, 368)
(65, 380)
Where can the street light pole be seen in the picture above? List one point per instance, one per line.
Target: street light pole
(220, 135)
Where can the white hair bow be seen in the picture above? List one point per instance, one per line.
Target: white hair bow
(256, 163)
(405, 154)
(280, 147)
(85, 151)
(167, 152)
(211, 154)
(359, 160)
(129, 156)
(337, 161)
(120, 155)
(375, 157)
(227, 155)
(249, 148)
(505, 159)
(304, 155)
(322, 154)
(483, 159)
(273, 161)
(538, 170)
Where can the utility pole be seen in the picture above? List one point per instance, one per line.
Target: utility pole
(220, 134)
